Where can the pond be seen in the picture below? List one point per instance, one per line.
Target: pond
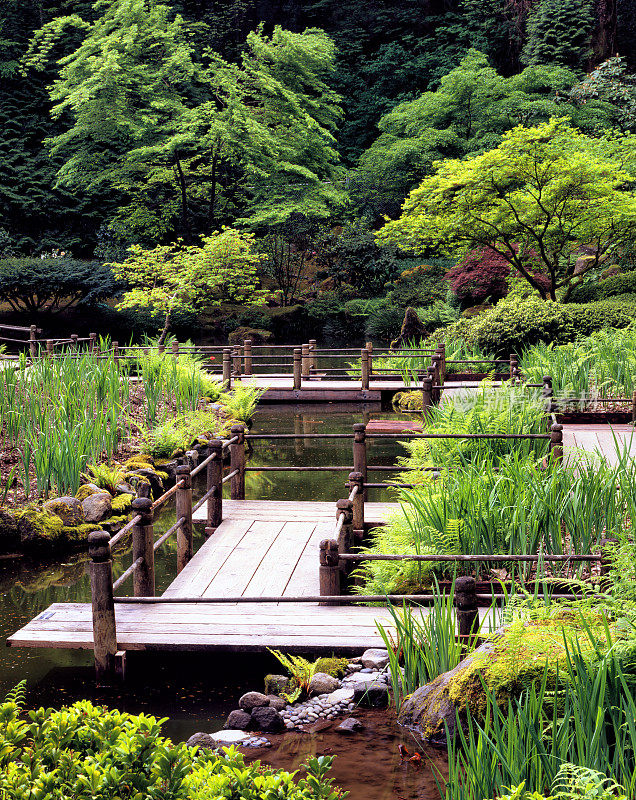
(200, 696)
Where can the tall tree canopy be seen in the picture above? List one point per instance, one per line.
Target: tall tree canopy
(540, 198)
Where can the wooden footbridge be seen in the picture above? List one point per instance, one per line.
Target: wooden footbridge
(270, 573)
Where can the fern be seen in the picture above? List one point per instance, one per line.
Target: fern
(300, 671)
(17, 695)
(572, 782)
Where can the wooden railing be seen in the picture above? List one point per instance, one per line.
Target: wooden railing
(29, 339)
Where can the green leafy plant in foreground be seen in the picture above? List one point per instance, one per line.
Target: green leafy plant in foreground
(87, 752)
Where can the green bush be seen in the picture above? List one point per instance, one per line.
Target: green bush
(623, 283)
(384, 321)
(87, 752)
(517, 323)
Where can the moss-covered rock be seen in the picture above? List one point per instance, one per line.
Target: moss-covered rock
(68, 509)
(335, 667)
(122, 503)
(276, 684)
(243, 332)
(9, 534)
(86, 490)
(408, 401)
(140, 461)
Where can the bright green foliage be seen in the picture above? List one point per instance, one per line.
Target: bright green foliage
(469, 112)
(177, 277)
(87, 752)
(33, 284)
(559, 32)
(538, 197)
(601, 365)
(300, 671)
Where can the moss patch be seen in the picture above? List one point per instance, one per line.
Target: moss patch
(332, 666)
(140, 461)
(86, 490)
(122, 503)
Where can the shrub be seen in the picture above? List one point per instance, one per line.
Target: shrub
(481, 274)
(421, 284)
(515, 323)
(85, 751)
(384, 321)
(623, 283)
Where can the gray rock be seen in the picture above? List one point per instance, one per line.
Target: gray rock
(125, 488)
(156, 484)
(428, 710)
(350, 725)
(227, 738)
(375, 658)
(238, 720)
(267, 720)
(366, 670)
(322, 683)
(276, 702)
(361, 677)
(341, 695)
(252, 700)
(202, 740)
(97, 507)
(371, 695)
(68, 509)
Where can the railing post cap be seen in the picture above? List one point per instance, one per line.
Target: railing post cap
(356, 477)
(547, 378)
(556, 426)
(359, 427)
(183, 469)
(99, 546)
(216, 444)
(143, 506)
(465, 583)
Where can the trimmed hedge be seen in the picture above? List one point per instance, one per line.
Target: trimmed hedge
(517, 323)
(623, 283)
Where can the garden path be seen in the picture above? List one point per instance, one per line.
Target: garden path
(606, 440)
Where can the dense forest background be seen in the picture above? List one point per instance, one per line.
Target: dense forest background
(386, 54)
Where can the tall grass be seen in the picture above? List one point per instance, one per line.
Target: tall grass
(511, 504)
(601, 365)
(546, 739)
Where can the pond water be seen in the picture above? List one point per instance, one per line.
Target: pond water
(201, 696)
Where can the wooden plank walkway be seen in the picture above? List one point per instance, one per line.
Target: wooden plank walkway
(601, 439)
(261, 549)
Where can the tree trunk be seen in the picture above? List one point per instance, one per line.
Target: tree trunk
(185, 222)
(166, 328)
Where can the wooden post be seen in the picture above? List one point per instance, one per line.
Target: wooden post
(236, 359)
(329, 572)
(33, 345)
(514, 366)
(369, 347)
(247, 356)
(93, 342)
(304, 353)
(357, 479)
(548, 393)
(466, 606)
(237, 462)
(556, 441)
(175, 349)
(215, 480)
(184, 509)
(74, 338)
(427, 394)
(634, 407)
(313, 360)
(161, 349)
(116, 351)
(360, 452)
(364, 368)
(227, 369)
(143, 540)
(103, 606)
(49, 348)
(442, 360)
(434, 369)
(345, 540)
(298, 375)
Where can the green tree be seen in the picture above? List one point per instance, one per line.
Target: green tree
(559, 32)
(612, 83)
(543, 196)
(179, 277)
(469, 112)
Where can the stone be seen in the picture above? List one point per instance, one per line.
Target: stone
(9, 534)
(275, 684)
(252, 700)
(267, 720)
(371, 695)
(202, 740)
(322, 683)
(87, 489)
(125, 488)
(148, 476)
(276, 702)
(341, 695)
(429, 709)
(361, 677)
(238, 720)
(350, 725)
(375, 658)
(226, 738)
(68, 509)
(97, 507)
